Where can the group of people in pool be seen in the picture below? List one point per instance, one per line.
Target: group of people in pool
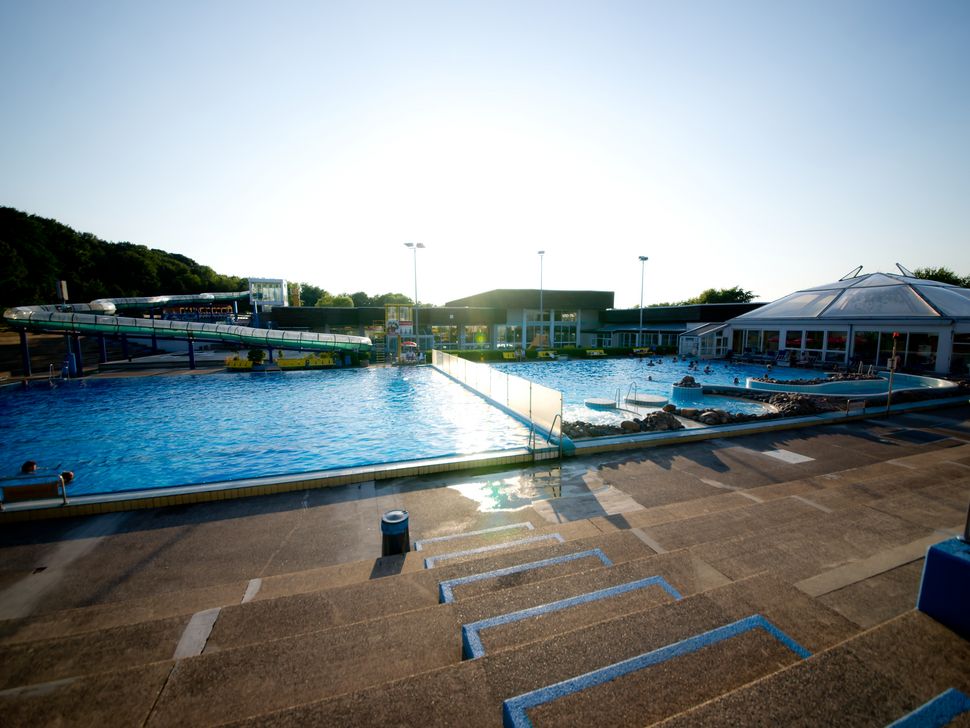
(692, 366)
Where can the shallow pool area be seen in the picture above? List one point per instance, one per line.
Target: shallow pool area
(149, 432)
(617, 379)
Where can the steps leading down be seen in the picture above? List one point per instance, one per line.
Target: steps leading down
(873, 679)
(475, 691)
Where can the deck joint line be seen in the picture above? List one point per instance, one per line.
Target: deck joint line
(431, 561)
(471, 639)
(419, 545)
(446, 588)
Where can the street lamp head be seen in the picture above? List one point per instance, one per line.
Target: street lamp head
(542, 252)
(643, 258)
(420, 245)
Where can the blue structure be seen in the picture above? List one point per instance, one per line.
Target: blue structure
(944, 593)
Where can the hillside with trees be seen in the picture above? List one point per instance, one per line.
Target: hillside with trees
(37, 252)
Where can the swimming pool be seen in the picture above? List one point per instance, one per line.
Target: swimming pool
(582, 379)
(150, 432)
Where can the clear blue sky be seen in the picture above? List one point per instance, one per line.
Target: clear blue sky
(771, 145)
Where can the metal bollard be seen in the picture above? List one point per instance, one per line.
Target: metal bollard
(395, 534)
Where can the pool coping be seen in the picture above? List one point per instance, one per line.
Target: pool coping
(655, 439)
(90, 504)
(82, 505)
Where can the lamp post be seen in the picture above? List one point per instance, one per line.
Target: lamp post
(541, 316)
(414, 248)
(643, 260)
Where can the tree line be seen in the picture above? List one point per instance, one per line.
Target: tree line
(37, 252)
(306, 294)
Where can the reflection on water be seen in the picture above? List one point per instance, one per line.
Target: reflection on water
(515, 492)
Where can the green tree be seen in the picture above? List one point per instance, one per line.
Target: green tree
(293, 294)
(343, 301)
(716, 295)
(942, 274)
(723, 295)
(310, 294)
(386, 298)
(325, 299)
(361, 299)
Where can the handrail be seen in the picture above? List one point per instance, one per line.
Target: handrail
(633, 388)
(558, 418)
(966, 528)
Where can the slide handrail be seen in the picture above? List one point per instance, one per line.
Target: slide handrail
(98, 317)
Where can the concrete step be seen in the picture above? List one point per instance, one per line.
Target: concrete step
(334, 661)
(41, 661)
(446, 543)
(510, 584)
(64, 623)
(477, 689)
(872, 679)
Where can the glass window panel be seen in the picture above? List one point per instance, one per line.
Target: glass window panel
(803, 304)
(865, 346)
(836, 340)
(951, 301)
(886, 348)
(793, 339)
(960, 360)
(880, 301)
(877, 279)
(771, 340)
(813, 339)
(921, 350)
(753, 341)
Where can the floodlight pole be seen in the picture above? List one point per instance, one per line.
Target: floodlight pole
(414, 249)
(643, 260)
(542, 319)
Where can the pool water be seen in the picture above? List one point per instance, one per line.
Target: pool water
(582, 379)
(149, 432)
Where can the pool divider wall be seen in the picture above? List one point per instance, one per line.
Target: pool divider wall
(531, 403)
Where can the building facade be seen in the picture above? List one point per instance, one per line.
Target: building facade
(861, 321)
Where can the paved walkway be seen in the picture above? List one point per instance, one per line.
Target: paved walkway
(141, 555)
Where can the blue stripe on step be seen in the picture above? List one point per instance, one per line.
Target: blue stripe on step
(418, 545)
(938, 712)
(446, 587)
(514, 709)
(471, 640)
(431, 561)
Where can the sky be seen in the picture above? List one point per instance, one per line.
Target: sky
(767, 145)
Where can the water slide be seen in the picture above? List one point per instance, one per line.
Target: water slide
(99, 317)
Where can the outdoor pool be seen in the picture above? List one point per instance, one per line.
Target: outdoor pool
(582, 379)
(150, 432)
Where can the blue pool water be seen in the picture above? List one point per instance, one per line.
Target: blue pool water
(582, 379)
(144, 432)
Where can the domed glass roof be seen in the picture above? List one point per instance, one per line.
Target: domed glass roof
(874, 295)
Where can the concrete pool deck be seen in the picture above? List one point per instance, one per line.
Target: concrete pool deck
(169, 610)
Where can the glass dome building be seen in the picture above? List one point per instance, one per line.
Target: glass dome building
(856, 321)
